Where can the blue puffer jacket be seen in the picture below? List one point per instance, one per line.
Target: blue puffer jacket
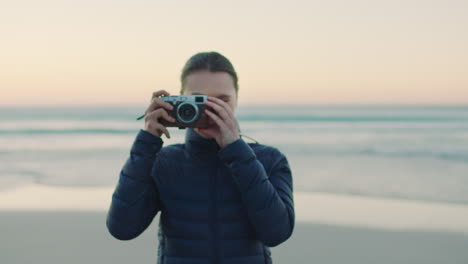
(217, 205)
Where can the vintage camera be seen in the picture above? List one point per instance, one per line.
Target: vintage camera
(188, 111)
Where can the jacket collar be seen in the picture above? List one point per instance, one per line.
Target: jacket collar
(198, 144)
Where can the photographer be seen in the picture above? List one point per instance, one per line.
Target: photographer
(221, 199)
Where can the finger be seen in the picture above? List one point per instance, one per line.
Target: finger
(158, 113)
(157, 103)
(222, 103)
(230, 119)
(159, 93)
(218, 121)
(161, 103)
(159, 127)
(219, 109)
(166, 116)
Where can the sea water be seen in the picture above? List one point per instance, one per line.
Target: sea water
(403, 152)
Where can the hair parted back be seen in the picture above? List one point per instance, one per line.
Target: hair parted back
(211, 61)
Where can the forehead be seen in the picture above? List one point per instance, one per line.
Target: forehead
(210, 83)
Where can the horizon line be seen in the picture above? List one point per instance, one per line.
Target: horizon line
(107, 105)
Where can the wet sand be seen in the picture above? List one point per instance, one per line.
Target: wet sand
(82, 237)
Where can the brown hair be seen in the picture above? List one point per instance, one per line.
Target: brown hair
(211, 61)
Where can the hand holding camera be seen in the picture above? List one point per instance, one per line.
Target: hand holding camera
(175, 111)
(188, 111)
(227, 127)
(191, 111)
(155, 113)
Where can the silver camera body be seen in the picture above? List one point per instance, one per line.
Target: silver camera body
(188, 111)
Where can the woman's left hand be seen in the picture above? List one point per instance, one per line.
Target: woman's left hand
(225, 119)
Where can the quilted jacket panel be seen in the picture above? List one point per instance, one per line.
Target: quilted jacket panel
(226, 205)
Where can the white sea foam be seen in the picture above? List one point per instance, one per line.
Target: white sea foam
(418, 153)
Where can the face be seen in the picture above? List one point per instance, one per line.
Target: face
(215, 84)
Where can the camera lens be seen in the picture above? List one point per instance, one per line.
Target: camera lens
(187, 112)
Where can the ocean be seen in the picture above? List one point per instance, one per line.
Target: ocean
(400, 152)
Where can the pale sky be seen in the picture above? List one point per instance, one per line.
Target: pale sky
(310, 52)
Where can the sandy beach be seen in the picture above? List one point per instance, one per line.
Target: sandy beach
(67, 225)
(81, 237)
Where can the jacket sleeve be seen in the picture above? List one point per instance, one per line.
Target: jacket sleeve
(135, 200)
(267, 197)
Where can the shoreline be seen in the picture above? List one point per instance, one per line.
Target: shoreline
(320, 208)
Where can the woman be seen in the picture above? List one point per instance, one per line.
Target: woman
(221, 200)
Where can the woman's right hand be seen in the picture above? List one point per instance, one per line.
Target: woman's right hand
(155, 111)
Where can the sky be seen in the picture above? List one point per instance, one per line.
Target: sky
(95, 52)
